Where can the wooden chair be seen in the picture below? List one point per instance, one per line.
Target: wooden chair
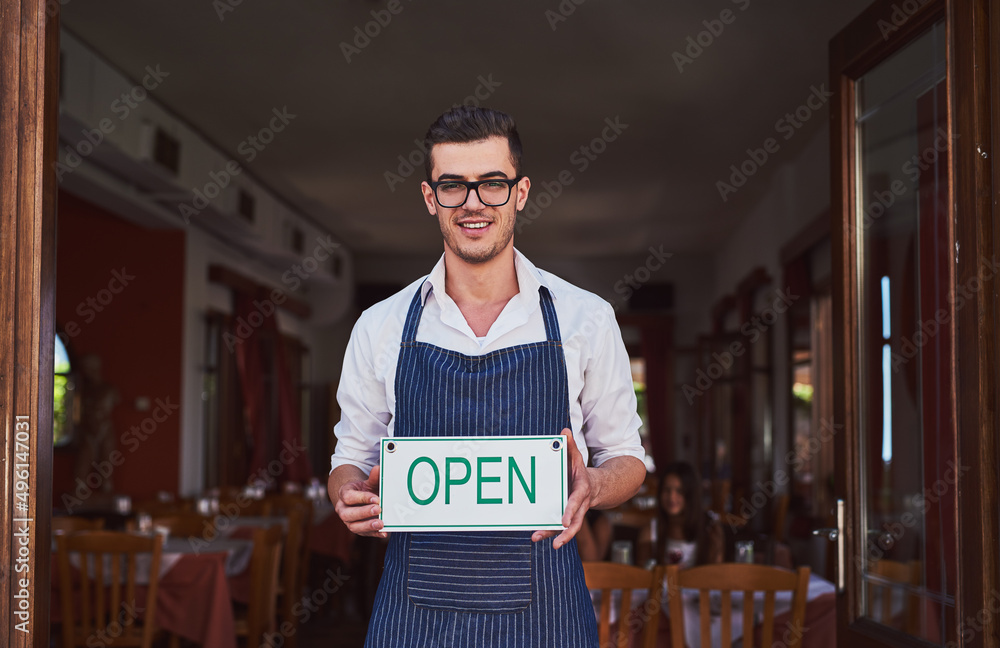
(242, 505)
(186, 525)
(907, 575)
(72, 524)
(226, 492)
(607, 577)
(293, 571)
(727, 578)
(281, 505)
(160, 508)
(106, 615)
(262, 608)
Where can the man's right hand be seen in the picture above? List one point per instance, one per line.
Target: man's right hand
(355, 499)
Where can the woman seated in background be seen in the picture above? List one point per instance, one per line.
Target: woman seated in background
(593, 540)
(685, 534)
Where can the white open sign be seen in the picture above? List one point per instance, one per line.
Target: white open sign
(473, 483)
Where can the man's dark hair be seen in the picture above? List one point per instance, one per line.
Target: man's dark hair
(464, 124)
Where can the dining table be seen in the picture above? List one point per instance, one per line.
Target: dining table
(819, 627)
(193, 599)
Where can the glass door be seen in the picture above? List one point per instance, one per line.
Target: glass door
(906, 424)
(904, 288)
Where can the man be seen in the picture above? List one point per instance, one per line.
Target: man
(485, 343)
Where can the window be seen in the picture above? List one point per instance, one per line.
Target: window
(65, 411)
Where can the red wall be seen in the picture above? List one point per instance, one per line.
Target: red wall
(137, 334)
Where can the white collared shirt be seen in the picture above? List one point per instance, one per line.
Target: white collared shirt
(601, 395)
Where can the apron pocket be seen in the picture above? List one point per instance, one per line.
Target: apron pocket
(470, 571)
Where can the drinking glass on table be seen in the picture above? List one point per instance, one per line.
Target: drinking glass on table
(123, 504)
(744, 551)
(621, 552)
(145, 523)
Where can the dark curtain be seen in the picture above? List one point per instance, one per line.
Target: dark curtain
(252, 353)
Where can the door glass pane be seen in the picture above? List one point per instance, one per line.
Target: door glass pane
(907, 440)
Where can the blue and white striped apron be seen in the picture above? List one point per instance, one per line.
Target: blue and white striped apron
(474, 589)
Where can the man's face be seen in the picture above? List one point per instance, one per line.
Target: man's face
(474, 232)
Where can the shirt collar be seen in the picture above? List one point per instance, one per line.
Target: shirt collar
(529, 278)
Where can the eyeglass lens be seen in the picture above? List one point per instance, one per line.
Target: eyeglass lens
(454, 194)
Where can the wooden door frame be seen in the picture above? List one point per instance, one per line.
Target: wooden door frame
(977, 179)
(28, 117)
(974, 95)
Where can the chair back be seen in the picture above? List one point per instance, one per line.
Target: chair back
(607, 577)
(295, 557)
(243, 505)
(726, 578)
(162, 508)
(282, 505)
(187, 525)
(265, 563)
(902, 576)
(107, 565)
(72, 524)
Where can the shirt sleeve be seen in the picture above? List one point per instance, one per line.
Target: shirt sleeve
(610, 418)
(364, 408)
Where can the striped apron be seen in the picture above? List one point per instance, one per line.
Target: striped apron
(474, 589)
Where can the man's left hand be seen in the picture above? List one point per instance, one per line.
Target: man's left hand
(580, 488)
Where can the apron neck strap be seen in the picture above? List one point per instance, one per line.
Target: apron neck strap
(549, 315)
(544, 299)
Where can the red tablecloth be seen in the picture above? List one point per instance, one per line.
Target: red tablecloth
(194, 601)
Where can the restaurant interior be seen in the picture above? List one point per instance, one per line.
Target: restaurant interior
(238, 181)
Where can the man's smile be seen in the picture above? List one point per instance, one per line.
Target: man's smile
(474, 224)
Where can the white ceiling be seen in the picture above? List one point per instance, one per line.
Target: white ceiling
(656, 182)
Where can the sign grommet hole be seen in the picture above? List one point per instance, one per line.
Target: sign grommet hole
(390, 446)
(556, 444)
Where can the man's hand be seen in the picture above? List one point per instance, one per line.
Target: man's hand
(614, 482)
(355, 499)
(579, 502)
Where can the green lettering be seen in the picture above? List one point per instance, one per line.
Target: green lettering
(448, 481)
(512, 469)
(409, 481)
(480, 479)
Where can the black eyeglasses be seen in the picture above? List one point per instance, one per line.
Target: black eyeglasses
(493, 192)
